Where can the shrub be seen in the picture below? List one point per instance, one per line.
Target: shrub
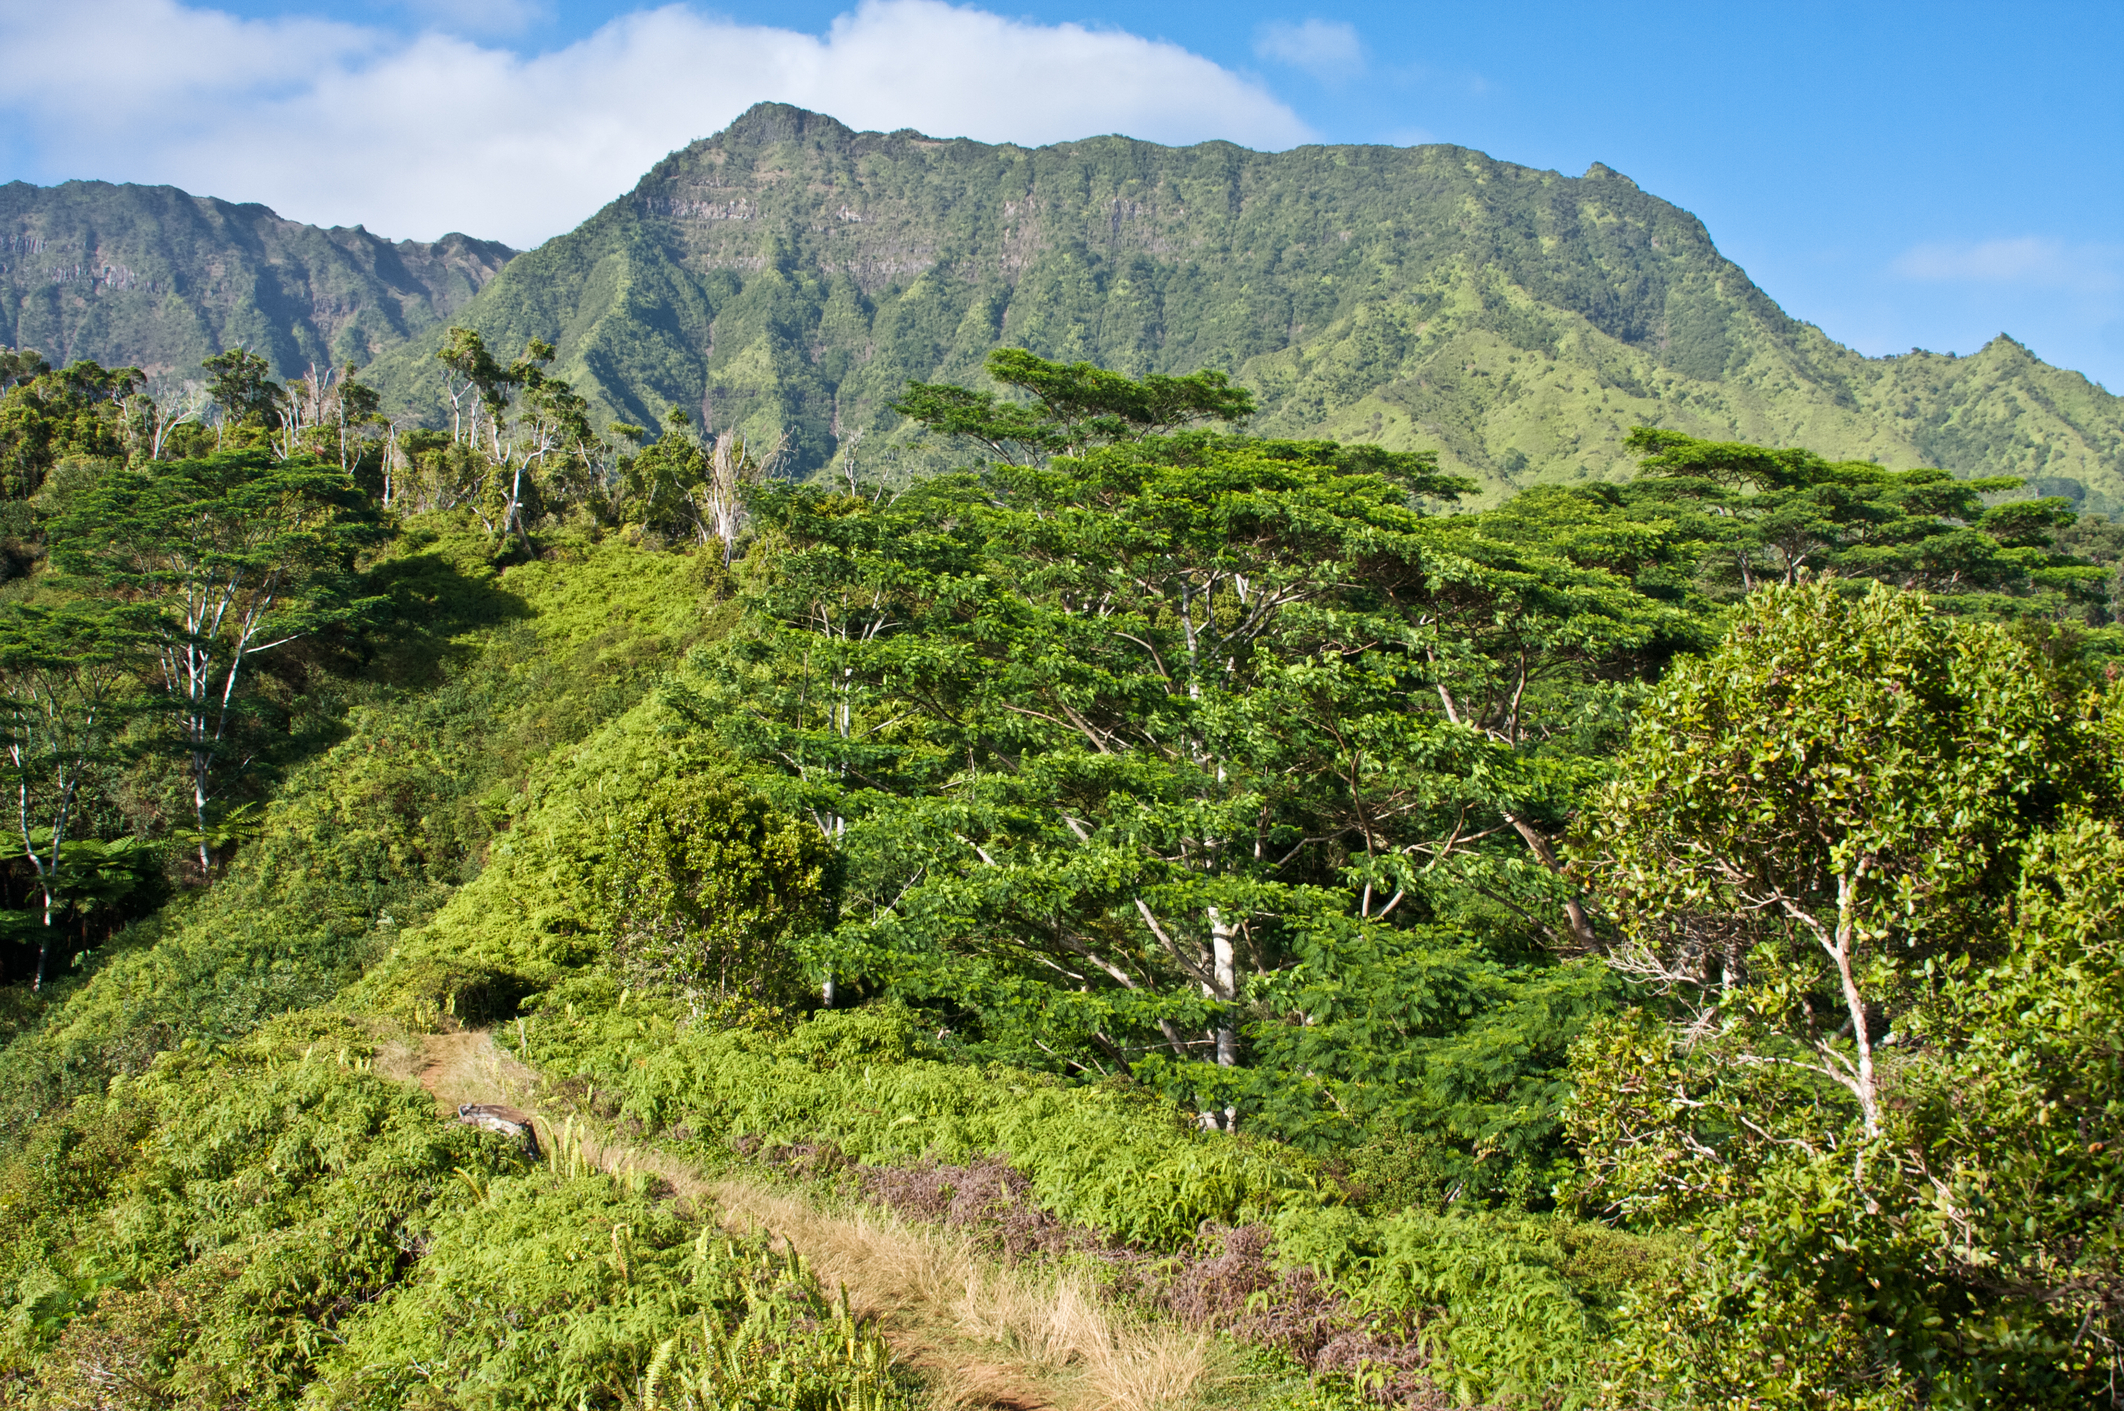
(708, 886)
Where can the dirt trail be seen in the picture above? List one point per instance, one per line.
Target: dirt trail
(982, 1334)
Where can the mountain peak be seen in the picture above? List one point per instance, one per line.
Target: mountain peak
(766, 124)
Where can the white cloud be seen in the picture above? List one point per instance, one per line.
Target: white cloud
(1326, 49)
(2029, 260)
(338, 123)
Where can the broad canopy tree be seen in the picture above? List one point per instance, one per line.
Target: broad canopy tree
(66, 685)
(1114, 742)
(219, 561)
(1069, 409)
(1768, 515)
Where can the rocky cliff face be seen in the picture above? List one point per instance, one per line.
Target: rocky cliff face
(151, 277)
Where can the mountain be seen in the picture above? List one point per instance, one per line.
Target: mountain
(150, 277)
(790, 272)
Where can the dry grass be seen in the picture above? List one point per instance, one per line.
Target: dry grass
(989, 1335)
(984, 1334)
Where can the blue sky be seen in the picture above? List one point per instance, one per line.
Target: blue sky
(1903, 175)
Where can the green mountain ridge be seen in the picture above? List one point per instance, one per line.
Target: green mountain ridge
(155, 278)
(792, 274)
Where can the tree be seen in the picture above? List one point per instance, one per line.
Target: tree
(1805, 818)
(328, 414)
(80, 410)
(1112, 740)
(159, 411)
(1768, 515)
(243, 391)
(2025, 1108)
(224, 559)
(537, 428)
(1831, 849)
(65, 677)
(20, 365)
(1071, 408)
(682, 484)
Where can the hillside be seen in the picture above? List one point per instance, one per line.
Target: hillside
(790, 272)
(151, 277)
(1182, 925)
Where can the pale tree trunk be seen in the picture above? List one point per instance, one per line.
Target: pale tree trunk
(46, 867)
(1224, 988)
(1862, 1085)
(1840, 944)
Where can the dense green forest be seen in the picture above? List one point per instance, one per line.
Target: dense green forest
(1340, 942)
(790, 275)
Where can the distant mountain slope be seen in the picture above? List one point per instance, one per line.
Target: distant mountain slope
(151, 277)
(790, 272)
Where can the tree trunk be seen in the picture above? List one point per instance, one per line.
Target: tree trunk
(1224, 971)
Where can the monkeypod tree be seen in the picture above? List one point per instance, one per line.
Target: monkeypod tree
(1069, 409)
(66, 679)
(1768, 515)
(1113, 742)
(218, 561)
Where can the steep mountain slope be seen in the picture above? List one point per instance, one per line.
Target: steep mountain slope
(150, 277)
(792, 273)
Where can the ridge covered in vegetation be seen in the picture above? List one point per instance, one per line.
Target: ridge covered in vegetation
(1642, 944)
(154, 278)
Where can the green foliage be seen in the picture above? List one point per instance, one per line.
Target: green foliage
(1804, 827)
(47, 417)
(243, 390)
(63, 707)
(1187, 732)
(295, 1230)
(1108, 1156)
(1072, 409)
(1421, 1039)
(1190, 782)
(368, 838)
(1508, 1306)
(220, 560)
(1855, 859)
(553, 1292)
(281, 1186)
(1775, 515)
(708, 888)
(520, 441)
